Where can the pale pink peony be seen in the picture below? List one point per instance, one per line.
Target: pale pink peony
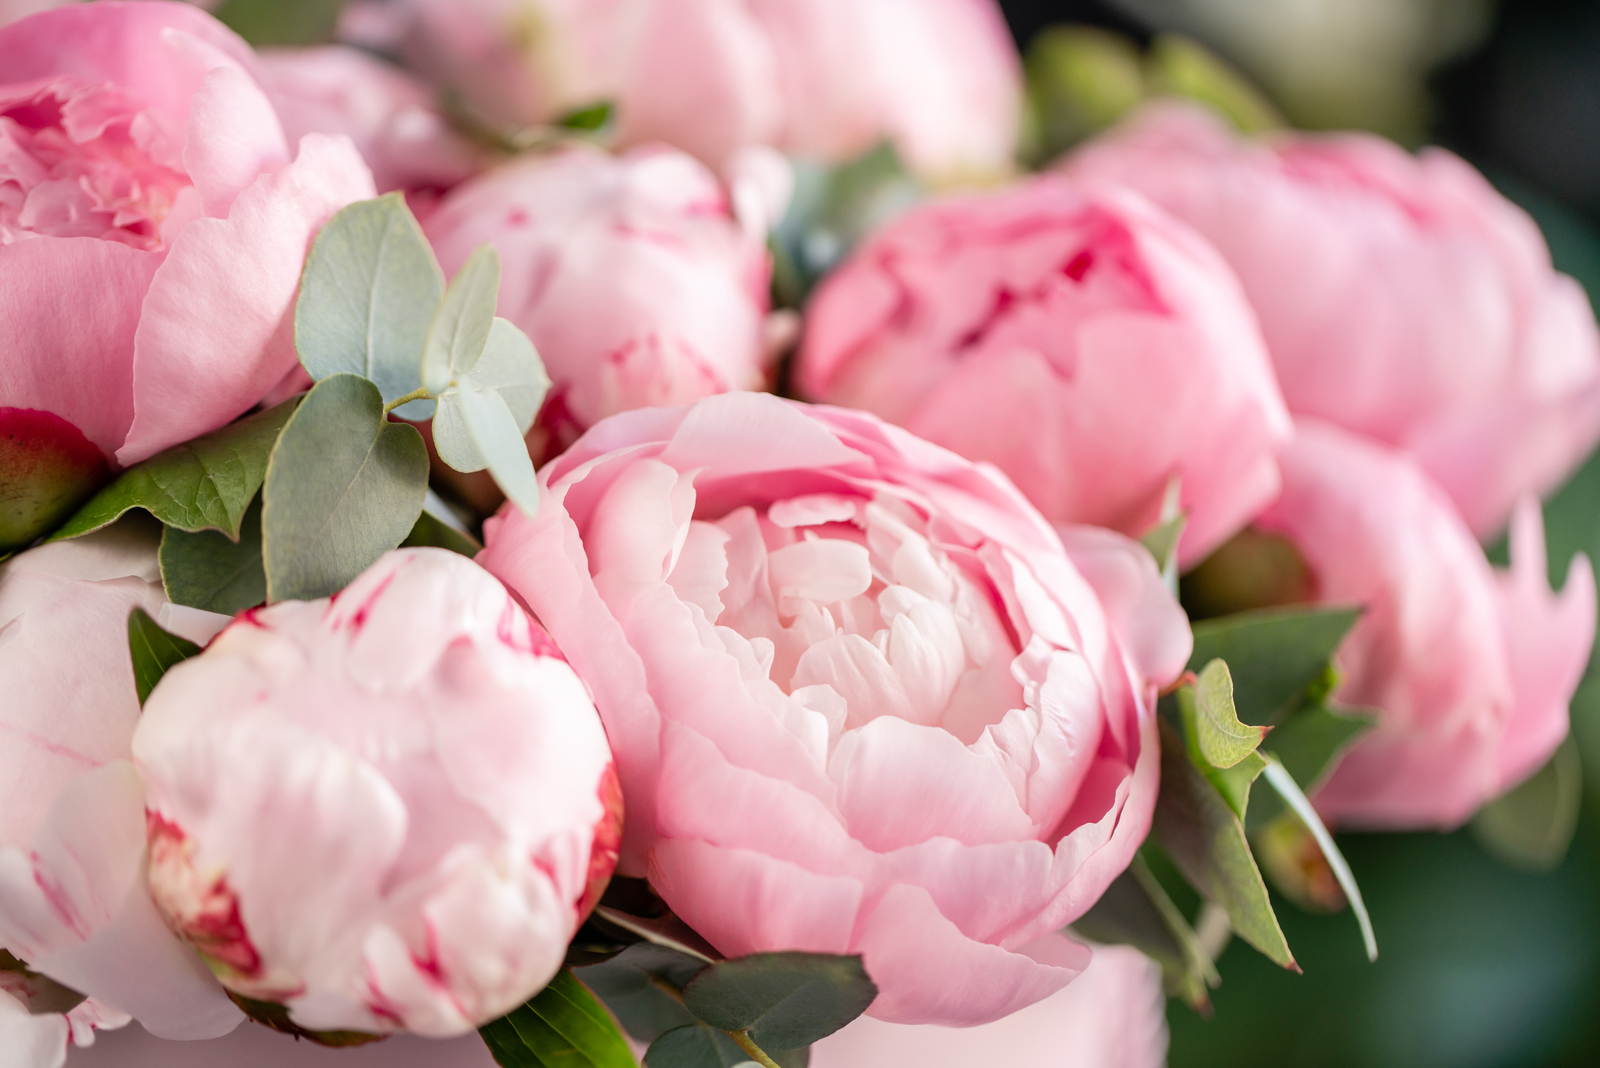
(153, 223)
(820, 78)
(73, 904)
(1401, 297)
(391, 116)
(634, 276)
(1111, 1016)
(861, 698)
(258, 1047)
(1470, 667)
(1083, 342)
(39, 1036)
(386, 811)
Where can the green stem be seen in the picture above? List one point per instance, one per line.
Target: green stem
(420, 393)
(756, 1053)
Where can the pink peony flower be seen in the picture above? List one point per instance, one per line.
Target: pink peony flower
(386, 811)
(390, 115)
(1086, 344)
(632, 275)
(153, 223)
(861, 698)
(39, 1036)
(1401, 297)
(259, 1047)
(73, 904)
(1111, 1016)
(1471, 668)
(821, 78)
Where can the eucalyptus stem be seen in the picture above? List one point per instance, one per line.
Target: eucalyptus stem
(420, 393)
(756, 1053)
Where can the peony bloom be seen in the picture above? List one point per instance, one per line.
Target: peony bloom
(1086, 344)
(862, 700)
(818, 78)
(632, 275)
(386, 811)
(259, 1047)
(1401, 297)
(1111, 1016)
(153, 223)
(1471, 668)
(390, 115)
(73, 904)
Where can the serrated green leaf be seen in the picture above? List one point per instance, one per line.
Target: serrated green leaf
(460, 327)
(694, 1046)
(1136, 911)
(562, 1026)
(1532, 826)
(204, 484)
(1206, 841)
(1281, 781)
(784, 1000)
(343, 487)
(1273, 654)
(1211, 721)
(206, 570)
(154, 651)
(1309, 744)
(432, 532)
(367, 298)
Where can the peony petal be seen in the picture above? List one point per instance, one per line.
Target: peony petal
(233, 137)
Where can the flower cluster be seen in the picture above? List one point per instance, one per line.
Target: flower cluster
(573, 599)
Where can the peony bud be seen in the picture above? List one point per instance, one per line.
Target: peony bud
(385, 811)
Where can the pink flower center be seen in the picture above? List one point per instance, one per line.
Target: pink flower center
(80, 160)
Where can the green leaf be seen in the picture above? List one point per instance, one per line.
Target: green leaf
(204, 484)
(1273, 654)
(206, 570)
(694, 1046)
(784, 1000)
(1180, 66)
(634, 985)
(433, 532)
(367, 297)
(1532, 826)
(281, 22)
(1252, 570)
(1211, 721)
(589, 117)
(460, 327)
(563, 1026)
(1309, 744)
(1080, 80)
(344, 486)
(154, 651)
(665, 930)
(485, 412)
(1206, 841)
(1281, 781)
(1136, 911)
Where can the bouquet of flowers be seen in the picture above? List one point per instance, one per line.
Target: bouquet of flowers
(554, 532)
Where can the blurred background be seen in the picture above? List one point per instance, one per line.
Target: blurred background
(1490, 953)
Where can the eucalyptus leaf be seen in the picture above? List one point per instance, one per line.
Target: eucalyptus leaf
(1532, 825)
(562, 1026)
(1206, 841)
(1211, 720)
(694, 1046)
(634, 985)
(485, 412)
(1136, 911)
(432, 532)
(1273, 654)
(367, 297)
(344, 486)
(204, 484)
(154, 651)
(1281, 781)
(206, 570)
(460, 327)
(1309, 744)
(784, 1000)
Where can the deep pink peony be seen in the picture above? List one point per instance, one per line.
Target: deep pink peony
(73, 904)
(1086, 344)
(1401, 297)
(387, 811)
(819, 78)
(1471, 667)
(392, 117)
(634, 276)
(153, 222)
(861, 698)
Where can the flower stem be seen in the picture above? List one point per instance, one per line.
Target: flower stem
(420, 393)
(756, 1053)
